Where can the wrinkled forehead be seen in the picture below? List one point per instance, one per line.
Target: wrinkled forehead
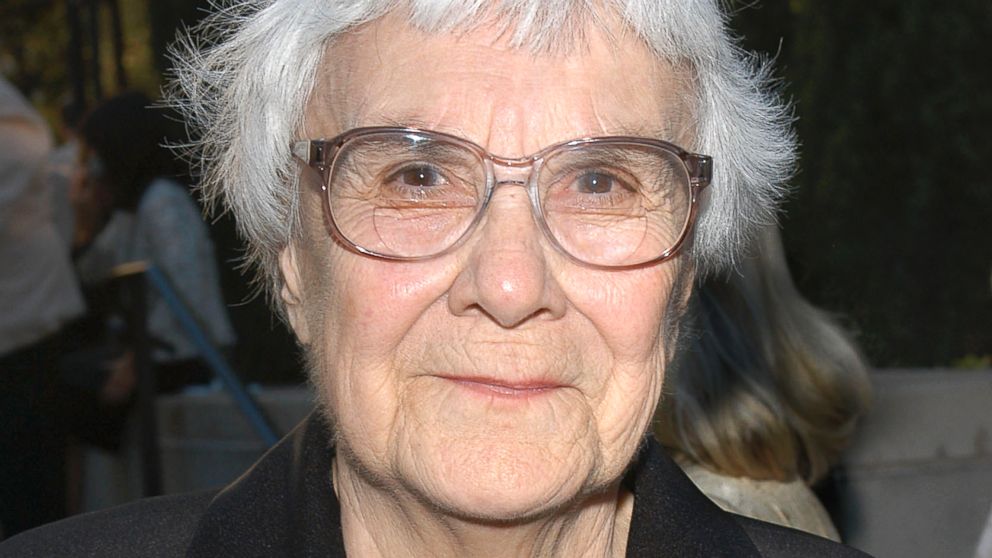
(485, 83)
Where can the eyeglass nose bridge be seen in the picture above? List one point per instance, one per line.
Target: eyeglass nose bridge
(516, 166)
(523, 172)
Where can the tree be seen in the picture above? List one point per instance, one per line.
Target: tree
(890, 220)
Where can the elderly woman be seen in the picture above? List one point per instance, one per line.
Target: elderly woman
(482, 221)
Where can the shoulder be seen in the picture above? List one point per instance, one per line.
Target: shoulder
(155, 527)
(774, 541)
(167, 208)
(165, 191)
(672, 517)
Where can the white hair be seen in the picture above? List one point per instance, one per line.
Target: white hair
(243, 79)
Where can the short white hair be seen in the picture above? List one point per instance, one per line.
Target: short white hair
(242, 80)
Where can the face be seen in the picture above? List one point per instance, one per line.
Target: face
(501, 380)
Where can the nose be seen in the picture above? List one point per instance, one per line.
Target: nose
(506, 275)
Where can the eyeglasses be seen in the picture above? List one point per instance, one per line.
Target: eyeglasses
(411, 194)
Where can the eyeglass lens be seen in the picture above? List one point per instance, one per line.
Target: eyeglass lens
(409, 195)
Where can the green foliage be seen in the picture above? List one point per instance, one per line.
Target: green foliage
(973, 362)
(36, 55)
(890, 221)
(33, 46)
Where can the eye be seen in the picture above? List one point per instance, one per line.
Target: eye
(418, 176)
(597, 183)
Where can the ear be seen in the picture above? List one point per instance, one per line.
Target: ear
(679, 299)
(687, 287)
(292, 293)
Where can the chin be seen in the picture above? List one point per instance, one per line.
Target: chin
(499, 478)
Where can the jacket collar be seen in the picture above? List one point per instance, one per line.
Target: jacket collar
(673, 518)
(285, 506)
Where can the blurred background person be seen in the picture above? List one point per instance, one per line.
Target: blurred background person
(766, 396)
(38, 297)
(131, 205)
(60, 167)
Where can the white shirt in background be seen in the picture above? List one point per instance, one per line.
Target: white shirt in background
(38, 290)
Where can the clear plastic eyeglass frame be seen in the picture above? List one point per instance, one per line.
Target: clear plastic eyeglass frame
(322, 154)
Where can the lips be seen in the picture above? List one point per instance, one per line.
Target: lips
(504, 388)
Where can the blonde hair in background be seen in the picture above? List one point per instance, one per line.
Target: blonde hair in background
(767, 386)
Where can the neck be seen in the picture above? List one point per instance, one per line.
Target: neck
(378, 522)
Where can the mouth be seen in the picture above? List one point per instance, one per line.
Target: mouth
(495, 387)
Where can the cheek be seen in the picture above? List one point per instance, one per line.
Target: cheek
(628, 312)
(374, 304)
(365, 312)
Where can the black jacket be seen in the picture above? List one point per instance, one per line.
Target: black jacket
(285, 506)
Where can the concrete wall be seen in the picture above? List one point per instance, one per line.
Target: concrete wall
(917, 481)
(919, 473)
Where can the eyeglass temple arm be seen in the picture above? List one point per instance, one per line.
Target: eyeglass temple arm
(700, 169)
(314, 152)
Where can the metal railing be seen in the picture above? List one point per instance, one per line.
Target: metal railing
(135, 278)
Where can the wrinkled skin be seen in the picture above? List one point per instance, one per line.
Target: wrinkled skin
(489, 400)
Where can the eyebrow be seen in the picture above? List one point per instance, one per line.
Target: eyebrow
(663, 132)
(415, 122)
(666, 131)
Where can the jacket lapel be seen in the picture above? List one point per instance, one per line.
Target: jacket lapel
(673, 518)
